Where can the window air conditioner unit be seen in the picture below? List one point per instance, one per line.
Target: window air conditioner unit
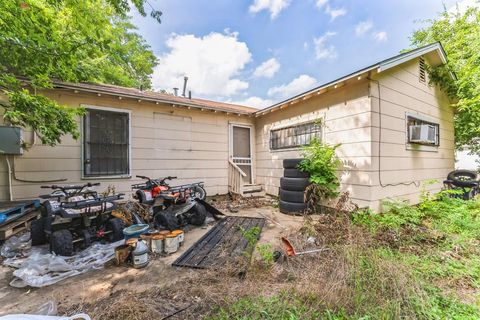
(423, 133)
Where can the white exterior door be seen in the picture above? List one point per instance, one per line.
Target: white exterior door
(241, 149)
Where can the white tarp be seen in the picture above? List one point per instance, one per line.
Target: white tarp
(40, 268)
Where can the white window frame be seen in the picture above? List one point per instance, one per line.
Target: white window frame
(119, 110)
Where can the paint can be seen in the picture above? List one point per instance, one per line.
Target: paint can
(171, 243)
(147, 239)
(140, 255)
(122, 252)
(157, 243)
(132, 242)
(181, 236)
(164, 232)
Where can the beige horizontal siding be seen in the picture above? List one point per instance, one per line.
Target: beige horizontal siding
(401, 92)
(347, 120)
(192, 145)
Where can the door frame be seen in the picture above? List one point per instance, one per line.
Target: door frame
(231, 125)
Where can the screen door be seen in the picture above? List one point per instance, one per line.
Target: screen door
(241, 149)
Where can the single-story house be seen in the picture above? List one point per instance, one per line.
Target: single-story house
(395, 131)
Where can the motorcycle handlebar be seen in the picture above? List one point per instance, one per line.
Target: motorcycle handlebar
(143, 177)
(54, 186)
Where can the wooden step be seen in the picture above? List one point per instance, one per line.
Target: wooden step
(252, 188)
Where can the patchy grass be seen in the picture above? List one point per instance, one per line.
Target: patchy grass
(419, 262)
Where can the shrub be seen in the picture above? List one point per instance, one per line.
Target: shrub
(321, 162)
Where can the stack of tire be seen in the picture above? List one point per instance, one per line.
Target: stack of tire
(292, 188)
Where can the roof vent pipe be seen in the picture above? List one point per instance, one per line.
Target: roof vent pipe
(175, 91)
(185, 79)
(190, 94)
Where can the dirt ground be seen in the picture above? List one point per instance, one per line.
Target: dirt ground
(98, 284)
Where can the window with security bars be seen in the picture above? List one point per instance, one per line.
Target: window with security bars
(295, 136)
(106, 143)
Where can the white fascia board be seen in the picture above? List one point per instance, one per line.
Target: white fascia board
(412, 55)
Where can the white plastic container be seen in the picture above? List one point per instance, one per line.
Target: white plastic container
(140, 255)
(171, 243)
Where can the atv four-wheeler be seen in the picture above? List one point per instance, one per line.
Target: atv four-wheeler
(173, 207)
(149, 190)
(75, 215)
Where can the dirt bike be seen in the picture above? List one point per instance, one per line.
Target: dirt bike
(75, 215)
(172, 207)
(151, 188)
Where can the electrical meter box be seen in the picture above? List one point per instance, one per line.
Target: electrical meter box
(11, 140)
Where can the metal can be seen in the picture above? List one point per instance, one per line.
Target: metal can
(171, 243)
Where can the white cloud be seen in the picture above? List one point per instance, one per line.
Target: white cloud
(380, 36)
(298, 85)
(321, 3)
(462, 6)
(255, 102)
(322, 49)
(267, 69)
(274, 6)
(212, 64)
(335, 13)
(363, 27)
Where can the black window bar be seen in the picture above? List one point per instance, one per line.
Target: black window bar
(294, 136)
(106, 143)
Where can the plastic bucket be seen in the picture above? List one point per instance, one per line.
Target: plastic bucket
(135, 230)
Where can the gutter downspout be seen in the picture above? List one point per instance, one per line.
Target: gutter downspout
(10, 193)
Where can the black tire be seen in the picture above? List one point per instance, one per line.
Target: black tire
(291, 163)
(142, 198)
(294, 184)
(116, 226)
(295, 173)
(61, 243)
(197, 215)
(463, 178)
(37, 232)
(199, 192)
(292, 196)
(292, 207)
(166, 219)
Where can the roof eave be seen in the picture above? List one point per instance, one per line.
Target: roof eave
(150, 99)
(379, 67)
(391, 63)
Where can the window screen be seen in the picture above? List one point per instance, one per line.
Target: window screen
(294, 136)
(106, 143)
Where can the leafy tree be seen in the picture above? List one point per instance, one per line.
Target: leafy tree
(67, 40)
(459, 34)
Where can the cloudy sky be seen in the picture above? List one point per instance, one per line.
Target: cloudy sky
(257, 52)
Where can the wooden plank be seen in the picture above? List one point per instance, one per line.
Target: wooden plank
(20, 225)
